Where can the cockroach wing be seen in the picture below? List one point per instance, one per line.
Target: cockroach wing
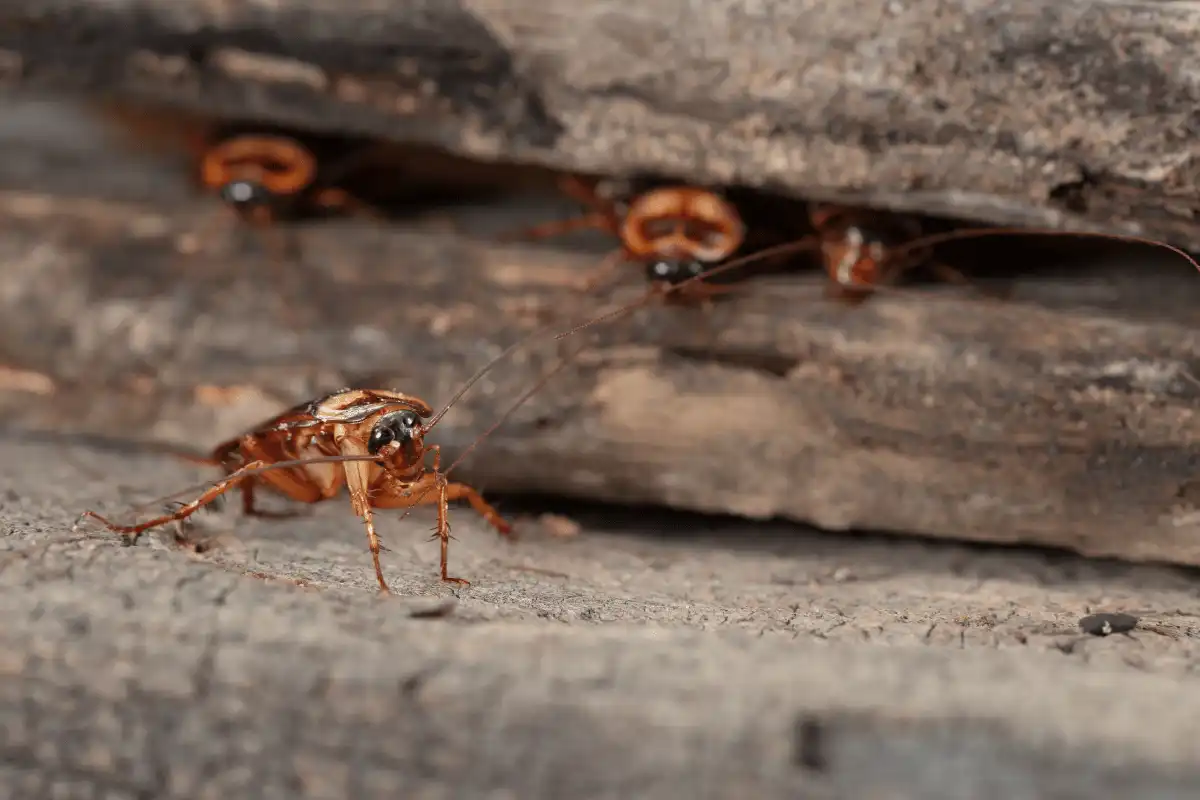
(355, 406)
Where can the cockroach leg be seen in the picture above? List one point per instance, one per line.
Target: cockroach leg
(443, 530)
(461, 491)
(584, 193)
(373, 546)
(547, 230)
(446, 491)
(132, 532)
(250, 509)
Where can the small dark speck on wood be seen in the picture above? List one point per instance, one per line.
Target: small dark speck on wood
(809, 744)
(1105, 623)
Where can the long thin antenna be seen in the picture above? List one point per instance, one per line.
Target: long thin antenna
(807, 243)
(926, 241)
(486, 368)
(541, 383)
(976, 233)
(512, 409)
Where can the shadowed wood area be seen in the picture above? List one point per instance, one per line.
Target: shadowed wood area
(1064, 114)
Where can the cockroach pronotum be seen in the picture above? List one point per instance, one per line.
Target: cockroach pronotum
(922, 245)
(676, 232)
(370, 441)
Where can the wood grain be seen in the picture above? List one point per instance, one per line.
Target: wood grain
(1063, 416)
(1062, 114)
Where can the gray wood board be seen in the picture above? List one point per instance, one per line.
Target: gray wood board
(1064, 114)
(660, 659)
(1045, 418)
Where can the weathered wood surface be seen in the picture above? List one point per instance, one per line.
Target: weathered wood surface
(649, 655)
(1076, 114)
(1038, 420)
(727, 663)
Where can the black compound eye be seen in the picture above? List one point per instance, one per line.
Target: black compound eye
(244, 193)
(398, 427)
(381, 435)
(663, 270)
(408, 421)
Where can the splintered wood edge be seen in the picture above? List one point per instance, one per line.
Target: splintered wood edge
(945, 416)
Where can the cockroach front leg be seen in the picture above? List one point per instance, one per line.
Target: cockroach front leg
(132, 532)
(461, 491)
(430, 488)
(443, 528)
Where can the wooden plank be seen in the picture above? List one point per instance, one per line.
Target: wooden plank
(624, 678)
(1062, 417)
(1074, 114)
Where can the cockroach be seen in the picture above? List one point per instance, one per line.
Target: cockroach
(862, 250)
(267, 178)
(923, 245)
(370, 441)
(674, 232)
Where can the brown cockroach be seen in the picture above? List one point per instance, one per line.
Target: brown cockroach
(266, 178)
(370, 441)
(922, 245)
(674, 232)
(862, 250)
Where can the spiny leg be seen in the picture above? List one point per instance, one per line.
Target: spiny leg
(443, 530)
(373, 545)
(184, 511)
(461, 491)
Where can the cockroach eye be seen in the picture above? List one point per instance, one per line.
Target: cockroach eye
(244, 193)
(381, 436)
(400, 426)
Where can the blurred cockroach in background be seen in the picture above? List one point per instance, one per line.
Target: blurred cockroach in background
(674, 232)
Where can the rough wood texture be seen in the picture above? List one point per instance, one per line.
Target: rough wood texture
(726, 662)
(1068, 114)
(1033, 420)
(649, 655)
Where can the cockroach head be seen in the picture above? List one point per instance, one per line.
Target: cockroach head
(400, 427)
(674, 270)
